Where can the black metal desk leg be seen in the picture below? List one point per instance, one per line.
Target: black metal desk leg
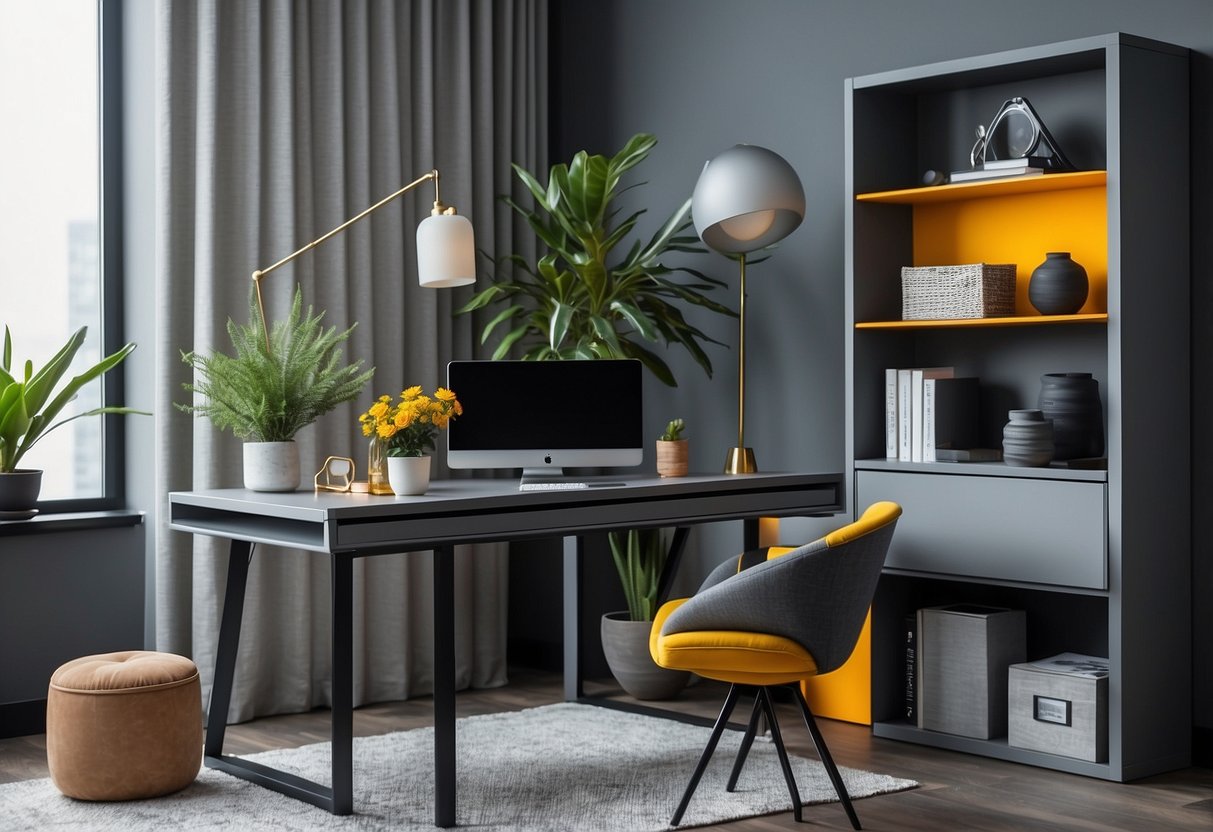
(343, 685)
(444, 686)
(574, 552)
(229, 641)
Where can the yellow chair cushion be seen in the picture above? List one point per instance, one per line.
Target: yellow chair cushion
(730, 655)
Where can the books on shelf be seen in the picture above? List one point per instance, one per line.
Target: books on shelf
(995, 173)
(929, 409)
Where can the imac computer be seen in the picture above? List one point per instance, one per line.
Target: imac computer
(545, 416)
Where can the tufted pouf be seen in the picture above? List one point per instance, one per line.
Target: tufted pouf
(123, 726)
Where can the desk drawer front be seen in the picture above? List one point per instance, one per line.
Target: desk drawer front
(1037, 531)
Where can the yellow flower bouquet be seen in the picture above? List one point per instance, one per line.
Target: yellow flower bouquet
(409, 426)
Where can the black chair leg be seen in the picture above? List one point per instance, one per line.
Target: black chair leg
(746, 741)
(717, 731)
(826, 760)
(765, 696)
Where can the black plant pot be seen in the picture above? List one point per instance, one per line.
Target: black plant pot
(19, 493)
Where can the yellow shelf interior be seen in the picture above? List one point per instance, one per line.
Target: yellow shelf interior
(1014, 220)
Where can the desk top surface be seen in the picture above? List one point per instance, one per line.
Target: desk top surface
(484, 509)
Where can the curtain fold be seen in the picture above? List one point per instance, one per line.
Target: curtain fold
(277, 121)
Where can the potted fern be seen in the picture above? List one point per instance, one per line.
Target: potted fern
(272, 388)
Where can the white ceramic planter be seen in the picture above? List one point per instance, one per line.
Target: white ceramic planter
(408, 475)
(271, 466)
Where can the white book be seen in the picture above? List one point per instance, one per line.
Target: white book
(890, 414)
(917, 422)
(928, 420)
(904, 441)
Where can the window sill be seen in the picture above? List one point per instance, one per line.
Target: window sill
(70, 522)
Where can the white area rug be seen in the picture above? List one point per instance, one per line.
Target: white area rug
(558, 767)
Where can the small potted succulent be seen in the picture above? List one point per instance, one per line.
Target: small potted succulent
(672, 450)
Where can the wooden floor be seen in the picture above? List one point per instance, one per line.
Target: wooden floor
(957, 792)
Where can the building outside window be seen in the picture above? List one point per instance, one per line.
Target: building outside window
(54, 257)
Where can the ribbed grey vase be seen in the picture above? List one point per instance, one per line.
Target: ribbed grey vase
(1027, 440)
(1059, 285)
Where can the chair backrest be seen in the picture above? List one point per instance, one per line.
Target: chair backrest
(817, 595)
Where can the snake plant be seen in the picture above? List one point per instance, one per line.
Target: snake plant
(30, 402)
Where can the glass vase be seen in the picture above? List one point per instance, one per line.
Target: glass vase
(376, 467)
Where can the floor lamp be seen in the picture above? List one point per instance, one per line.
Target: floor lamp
(446, 249)
(746, 198)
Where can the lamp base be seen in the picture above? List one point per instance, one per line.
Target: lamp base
(740, 461)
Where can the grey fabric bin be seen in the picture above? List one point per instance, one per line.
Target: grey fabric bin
(965, 652)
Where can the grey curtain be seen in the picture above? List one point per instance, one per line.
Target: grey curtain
(276, 121)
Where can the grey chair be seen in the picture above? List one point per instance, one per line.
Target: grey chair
(775, 617)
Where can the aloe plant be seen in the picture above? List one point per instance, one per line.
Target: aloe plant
(30, 401)
(582, 299)
(640, 555)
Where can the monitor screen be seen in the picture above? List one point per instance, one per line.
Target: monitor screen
(546, 415)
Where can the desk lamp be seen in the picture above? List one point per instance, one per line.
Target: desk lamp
(446, 251)
(746, 198)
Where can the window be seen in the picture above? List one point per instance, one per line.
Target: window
(59, 258)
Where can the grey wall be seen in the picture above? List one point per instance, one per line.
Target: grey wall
(706, 74)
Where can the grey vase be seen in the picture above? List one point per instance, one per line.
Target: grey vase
(1058, 286)
(1027, 440)
(1072, 401)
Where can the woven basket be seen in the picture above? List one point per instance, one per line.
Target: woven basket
(974, 290)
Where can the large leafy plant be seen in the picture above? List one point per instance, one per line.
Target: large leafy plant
(583, 298)
(29, 402)
(269, 392)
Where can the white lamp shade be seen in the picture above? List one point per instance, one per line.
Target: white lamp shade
(446, 251)
(746, 198)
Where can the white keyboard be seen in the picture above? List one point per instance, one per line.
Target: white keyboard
(551, 485)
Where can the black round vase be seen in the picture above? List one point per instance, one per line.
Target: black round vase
(1071, 400)
(1058, 286)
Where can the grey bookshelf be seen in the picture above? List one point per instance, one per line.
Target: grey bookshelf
(1099, 559)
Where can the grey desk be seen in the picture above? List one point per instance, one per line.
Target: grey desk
(349, 526)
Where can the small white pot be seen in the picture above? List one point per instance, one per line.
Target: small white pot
(408, 475)
(271, 466)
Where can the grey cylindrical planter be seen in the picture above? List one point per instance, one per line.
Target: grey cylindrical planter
(19, 490)
(1027, 440)
(626, 645)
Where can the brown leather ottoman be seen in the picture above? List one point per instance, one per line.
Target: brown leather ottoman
(122, 726)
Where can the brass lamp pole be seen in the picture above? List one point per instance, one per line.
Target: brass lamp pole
(445, 251)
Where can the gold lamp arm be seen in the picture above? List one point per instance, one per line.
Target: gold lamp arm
(438, 208)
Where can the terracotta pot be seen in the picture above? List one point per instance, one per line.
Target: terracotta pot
(672, 457)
